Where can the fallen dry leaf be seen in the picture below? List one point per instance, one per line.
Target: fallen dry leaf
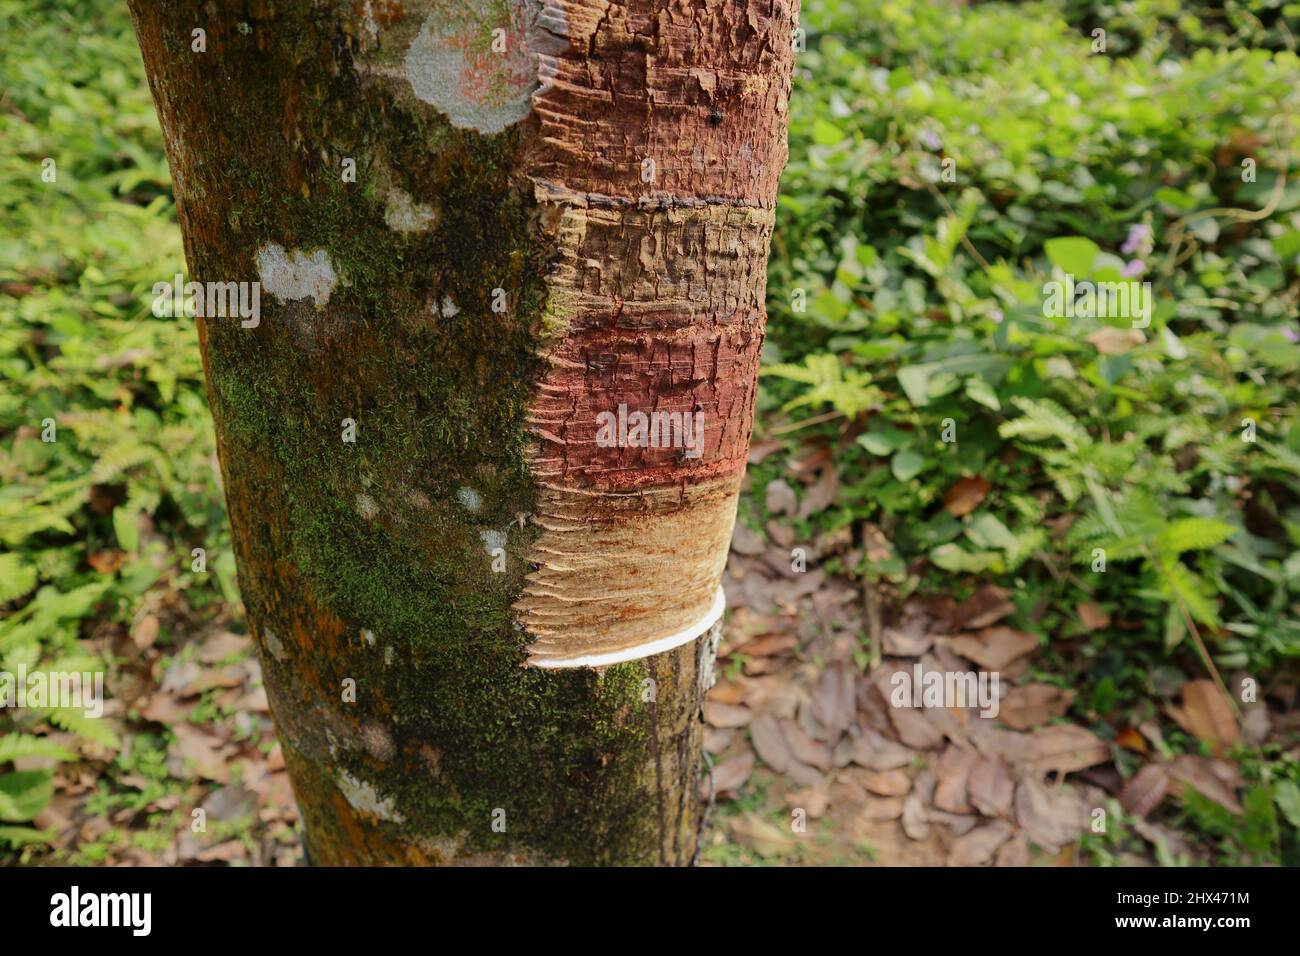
(986, 606)
(834, 701)
(812, 799)
(716, 740)
(965, 495)
(910, 638)
(230, 803)
(145, 632)
(915, 818)
(994, 647)
(768, 645)
(106, 562)
(1130, 739)
(820, 496)
(978, 846)
(770, 743)
(885, 783)
(804, 748)
(223, 645)
(1015, 852)
(1144, 790)
(761, 836)
(1065, 748)
(226, 852)
(198, 753)
(1050, 817)
(1209, 718)
(717, 714)
(780, 498)
(1061, 747)
(914, 729)
(879, 809)
(1213, 779)
(730, 775)
(1029, 705)
(951, 774)
(747, 542)
(165, 709)
(990, 787)
(876, 752)
(1093, 616)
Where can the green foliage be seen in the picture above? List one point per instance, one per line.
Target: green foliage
(107, 466)
(25, 793)
(948, 161)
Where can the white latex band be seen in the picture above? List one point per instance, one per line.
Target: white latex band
(657, 646)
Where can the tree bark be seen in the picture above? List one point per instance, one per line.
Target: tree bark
(483, 232)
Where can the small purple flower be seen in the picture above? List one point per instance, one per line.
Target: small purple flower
(930, 140)
(1139, 237)
(1133, 269)
(996, 315)
(1290, 334)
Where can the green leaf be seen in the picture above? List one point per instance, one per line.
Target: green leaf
(1259, 834)
(1175, 628)
(1286, 794)
(1043, 419)
(93, 729)
(825, 133)
(126, 529)
(916, 379)
(982, 392)
(1073, 255)
(1192, 534)
(1179, 582)
(24, 793)
(16, 577)
(953, 558)
(13, 746)
(907, 464)
(21, 836)
(1287, 244)
(987, 531)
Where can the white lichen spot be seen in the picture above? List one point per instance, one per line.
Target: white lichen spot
(366, 506)
(295, 275)
(449, 308)
(469, 499)
(404, 214)
(457, 65)
(368, 636)
(364, 797)
(493, 540)
(378, 742)
(388, 655)
(244, 28)
(273, 643)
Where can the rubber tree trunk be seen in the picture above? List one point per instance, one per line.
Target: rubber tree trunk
(488, 236)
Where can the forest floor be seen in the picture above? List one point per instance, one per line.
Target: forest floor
(809, 763)
(820, 756)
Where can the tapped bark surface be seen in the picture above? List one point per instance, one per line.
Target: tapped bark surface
(482, 232)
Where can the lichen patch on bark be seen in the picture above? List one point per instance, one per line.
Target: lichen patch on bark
(478, 63)
(363, 796)
(296, 274)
